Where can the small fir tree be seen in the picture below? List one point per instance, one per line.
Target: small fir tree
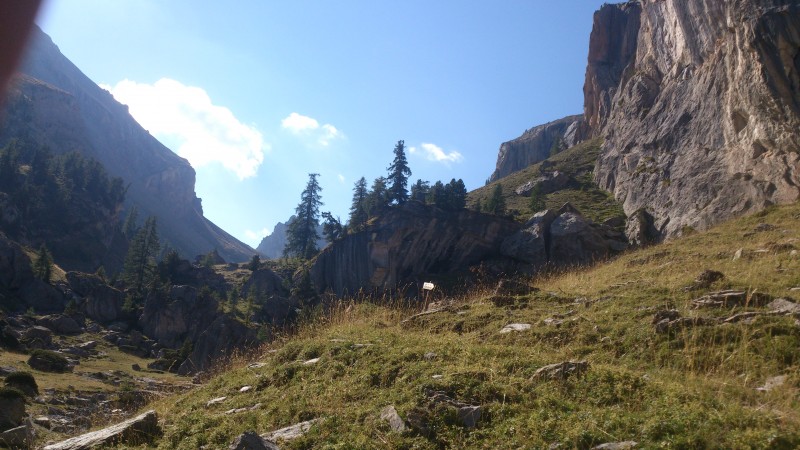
(536, 202)
(419, 190)
(140, 263)
(398, 175)
(43, 267)
(497, 203)
(359, 213)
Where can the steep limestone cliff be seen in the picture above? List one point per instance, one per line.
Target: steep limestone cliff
(53, 104)
(536, 144)
(701, 114)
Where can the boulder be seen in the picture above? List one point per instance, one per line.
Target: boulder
(37, 337)
(574, 240)
(390, 416)
(182, 314)
(640, 228)
(252, 441)
(60, 324)
(546, 184)
(102, 302)
(12, 408)
(139, 430)
(20, 437)
(217, 341)
(562, 370)
(290, 432)
(531, 244)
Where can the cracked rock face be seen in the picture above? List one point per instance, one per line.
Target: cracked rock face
(699, 104)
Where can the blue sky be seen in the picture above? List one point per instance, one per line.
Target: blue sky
(257, 94)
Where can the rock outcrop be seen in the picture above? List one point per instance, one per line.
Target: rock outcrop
(536, 144)
(136, 431)
(19, 289)
(405, 243)
(53, 104)
(562, 238)
(699, 105)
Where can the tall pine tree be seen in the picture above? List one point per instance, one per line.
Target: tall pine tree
(398, 175)
(302, 234)
(419, 190)
(359, 213)
(140, 262)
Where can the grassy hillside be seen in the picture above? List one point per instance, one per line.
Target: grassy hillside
(693, 387)
(577, 162)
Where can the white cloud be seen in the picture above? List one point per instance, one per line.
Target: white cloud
(256, 236)
(309, 128)
(200, 131)
(433, 152)
(341, 178)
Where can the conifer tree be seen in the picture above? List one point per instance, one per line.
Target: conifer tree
(455, 195)
(436, 195)
(398, 175)
(43, 267)
(419, 190)
(536, 202)
(358, 209)
(129, 228)
(140, 262)
(496, 203)
(332, 228)
(301, 233)
(378, 197)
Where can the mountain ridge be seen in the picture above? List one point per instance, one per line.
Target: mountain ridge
(54, 104)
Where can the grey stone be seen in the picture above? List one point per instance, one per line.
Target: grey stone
(515, 327)
(562, 370)
(21, 437)
(252, 441)
(135, 431)
(625, 445)
(291, 432)
(390, 415)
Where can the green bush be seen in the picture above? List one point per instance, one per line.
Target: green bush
(48, 361)
(22, 380)
(10, 393)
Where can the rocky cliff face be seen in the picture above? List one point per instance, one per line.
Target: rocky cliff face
(406, 242)
(536, 144)
(55, 105)
(701, 111)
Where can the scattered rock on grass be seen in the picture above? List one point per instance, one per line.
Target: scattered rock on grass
(562, 370)
(515, 327)
(705, 280)
(215, 401)
(784, 306)
(772, 383)
(252, 441)
(467, 414)
(730, 298)
(512, 287)
(390, 415)
(138, 430)
(290, 432)
(625, 445)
